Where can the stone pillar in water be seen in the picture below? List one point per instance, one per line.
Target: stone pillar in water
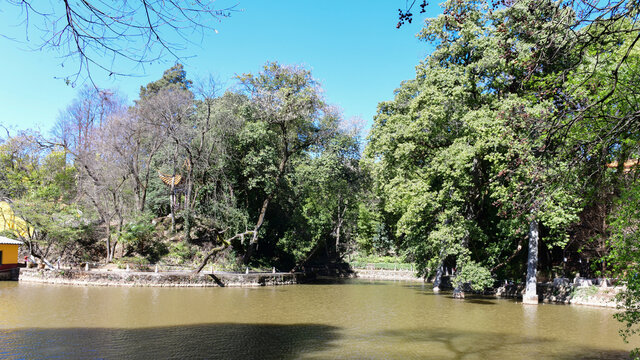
(531, 296)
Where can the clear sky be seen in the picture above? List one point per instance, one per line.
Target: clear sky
(352, 47)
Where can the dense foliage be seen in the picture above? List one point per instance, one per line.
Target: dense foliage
(518, 117)
(270, 169)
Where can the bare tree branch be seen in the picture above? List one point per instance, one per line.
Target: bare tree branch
(100, 34)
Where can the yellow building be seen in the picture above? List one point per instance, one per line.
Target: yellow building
(8, 253)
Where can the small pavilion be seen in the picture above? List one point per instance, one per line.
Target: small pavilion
(8, 253)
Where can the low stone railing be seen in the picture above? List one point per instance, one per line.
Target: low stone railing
(175, 279)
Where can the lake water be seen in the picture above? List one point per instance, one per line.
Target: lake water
(351, 319)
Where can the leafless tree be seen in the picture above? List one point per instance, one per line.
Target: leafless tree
(168, 112)
(86, 132)
(76, 125)
(135, 143)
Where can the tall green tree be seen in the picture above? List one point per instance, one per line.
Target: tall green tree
(461, 155)
(326, 187)
(291, 116)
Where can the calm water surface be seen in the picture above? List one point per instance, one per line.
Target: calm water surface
(351, 319)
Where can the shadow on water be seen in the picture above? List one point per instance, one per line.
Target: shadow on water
(479, 301)
(210, 341)
(461, 344)
(427, 290)
(322, 280)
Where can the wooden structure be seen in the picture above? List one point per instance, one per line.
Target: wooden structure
(176, 184)
(176, 188)
(9, 253)
(169, 180)
(9, 258)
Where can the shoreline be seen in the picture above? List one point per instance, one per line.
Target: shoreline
(580, 293)
(152, 279)
(566, 293)
(402, 275)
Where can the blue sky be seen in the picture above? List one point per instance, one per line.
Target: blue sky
(351, 47)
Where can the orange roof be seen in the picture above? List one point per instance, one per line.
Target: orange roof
(171, 180)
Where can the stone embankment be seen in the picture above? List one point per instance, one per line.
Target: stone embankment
(405, 275)
(591, 292)
(10, 274)
(164, 279)
(343, 270)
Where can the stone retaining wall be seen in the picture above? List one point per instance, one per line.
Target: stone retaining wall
(406, 275)
(181, 279)
(567, 293)
(10, 274)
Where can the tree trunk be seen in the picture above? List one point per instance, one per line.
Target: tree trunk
(172, 205)
(225, 244)
(263, 212)
(531, 296)
(115, 241)
(339, 228)
(109, 241)
(42, 258)
(438, 279)
(458, 292)
(210, 255)
(338, 237)
(173, 201)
